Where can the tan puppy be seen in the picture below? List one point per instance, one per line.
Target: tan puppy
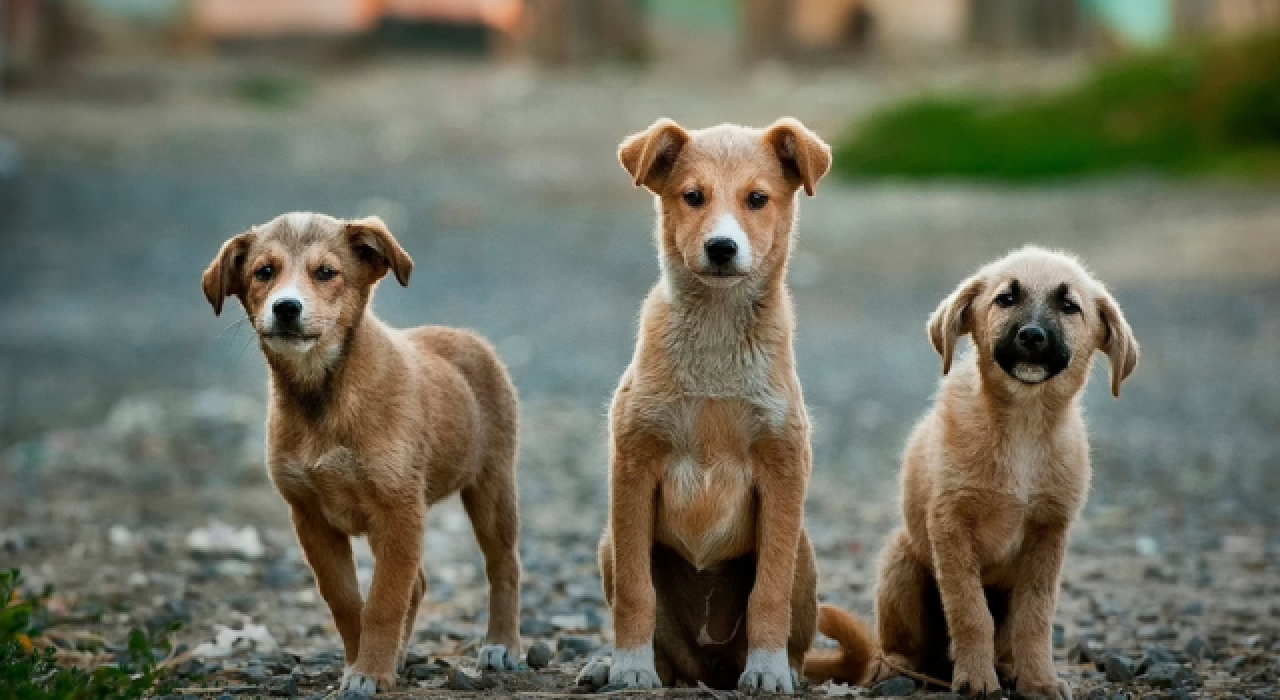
(367, 426)
(705, 559)
(992, 479)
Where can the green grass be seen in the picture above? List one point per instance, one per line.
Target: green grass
(1209, 109)
(28, 672)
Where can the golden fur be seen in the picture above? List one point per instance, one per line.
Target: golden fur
(368, 426)
(705, 560)
(992, 479)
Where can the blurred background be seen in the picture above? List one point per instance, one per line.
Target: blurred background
(137, 135)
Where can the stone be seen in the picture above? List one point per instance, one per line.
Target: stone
(1158, 654)
(1059, 636)
(897, 687)
(534, 627)
(579, 645)
(255, 673)
(1119, 669)
(1196, 647)
(538, 656)
(1195, 607)
(460, 681)
(1164, 676)
(423, 671)
(283, 686)
(1235, 663)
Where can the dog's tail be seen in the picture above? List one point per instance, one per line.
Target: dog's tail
(849, 663)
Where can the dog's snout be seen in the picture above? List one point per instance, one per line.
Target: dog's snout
(721, 251)
(286, 310)
(1032, 338)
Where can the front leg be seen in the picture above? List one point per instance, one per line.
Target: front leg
(969, 621)
(1035, 597)
(328, 552)
(633, 486)
(395, 535)
(783, 466)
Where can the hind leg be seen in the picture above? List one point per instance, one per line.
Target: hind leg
(906, 596)
(494, 510)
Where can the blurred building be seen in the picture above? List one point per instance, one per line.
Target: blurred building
(35, 33)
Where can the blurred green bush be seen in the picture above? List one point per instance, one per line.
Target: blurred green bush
(1202, 109)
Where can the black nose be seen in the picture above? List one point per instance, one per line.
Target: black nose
(1032, 337)
(720, 251)
(286, 310)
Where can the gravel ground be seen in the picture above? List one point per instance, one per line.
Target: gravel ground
(131, 419)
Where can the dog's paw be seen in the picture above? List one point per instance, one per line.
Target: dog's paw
(768, 672)
(975, 680)
(633, 668)
(496, 657)
(595, 674)
(357, 685)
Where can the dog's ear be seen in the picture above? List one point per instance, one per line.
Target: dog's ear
(952, 319)
(650, 154)
(375, 245)
(805, 158)
(1117, 341)
(225, 276)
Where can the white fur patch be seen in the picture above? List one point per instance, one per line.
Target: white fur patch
(728, 227)
(299, 220)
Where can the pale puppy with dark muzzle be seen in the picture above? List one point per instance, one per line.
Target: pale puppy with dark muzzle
(368, 426)
(992, 479)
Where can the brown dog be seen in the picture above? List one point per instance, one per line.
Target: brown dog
(368, 426)
(705, 560)
(992, 479)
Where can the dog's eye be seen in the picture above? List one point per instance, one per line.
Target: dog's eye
(324, 273)
(695, 198)
(265, 273)
(1070, 307)
(1006, 300)
(757, 200)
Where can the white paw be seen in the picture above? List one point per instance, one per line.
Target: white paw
(768, 672)
(357, 685)
(633, 668)
(495, 657)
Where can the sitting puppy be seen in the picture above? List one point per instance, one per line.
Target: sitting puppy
(705, 559)
(368, 426)
(992, 479)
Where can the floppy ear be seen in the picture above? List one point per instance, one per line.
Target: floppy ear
(375, 245)
(952, 319)
(1118, 342)
(805, 158)
(225, 276)
(650, 154)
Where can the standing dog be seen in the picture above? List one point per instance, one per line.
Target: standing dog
(705, 559)
(992, 479)
(368, 426)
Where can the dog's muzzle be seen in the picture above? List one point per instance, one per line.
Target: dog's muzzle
(1033, 353)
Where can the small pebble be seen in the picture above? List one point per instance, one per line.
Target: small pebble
(459, 681)
(283, 686)
(538, 656)
(893, 688)
(579, 645)
(1119, 669)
